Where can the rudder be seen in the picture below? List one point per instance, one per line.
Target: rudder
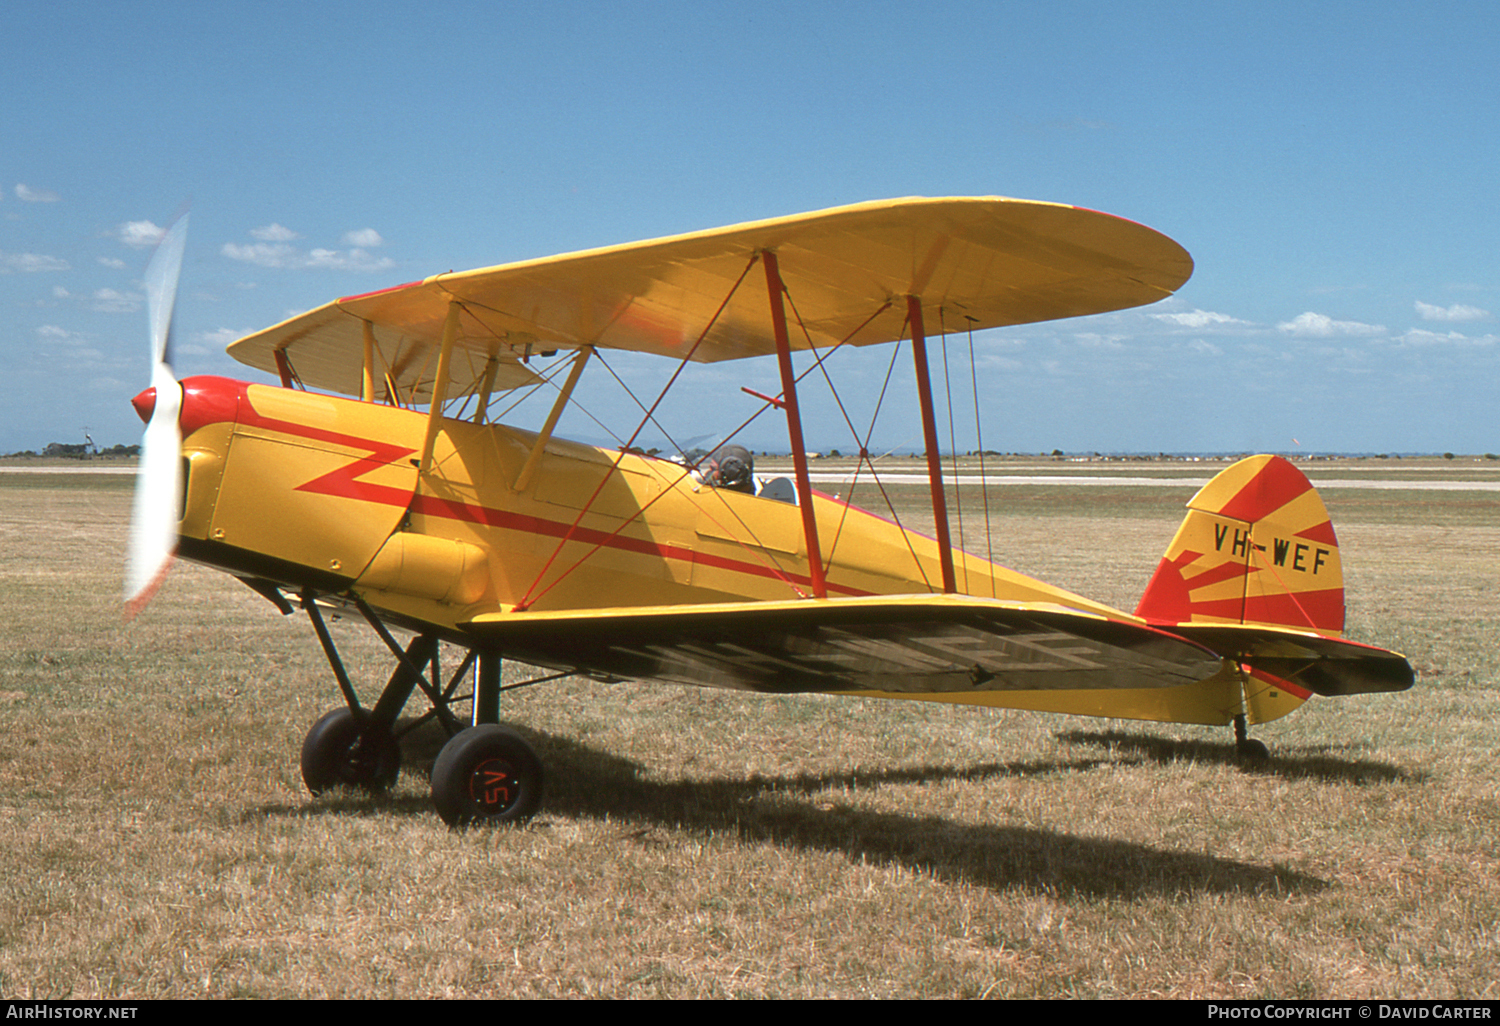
(1256, 547)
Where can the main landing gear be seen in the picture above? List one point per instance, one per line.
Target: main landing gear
(345, 748)
(485, 773)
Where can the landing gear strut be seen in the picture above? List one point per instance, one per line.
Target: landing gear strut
(485, 773)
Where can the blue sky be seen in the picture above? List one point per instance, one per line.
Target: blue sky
(1331, 167)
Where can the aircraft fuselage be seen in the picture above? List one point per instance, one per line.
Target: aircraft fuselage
(299, 487)
(309, 491)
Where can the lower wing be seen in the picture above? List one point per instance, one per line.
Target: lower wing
(906, 645)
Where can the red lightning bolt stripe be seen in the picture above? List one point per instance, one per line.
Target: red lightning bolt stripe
(222, 399)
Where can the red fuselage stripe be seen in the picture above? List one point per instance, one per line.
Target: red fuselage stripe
(345, 482)
(431, 505)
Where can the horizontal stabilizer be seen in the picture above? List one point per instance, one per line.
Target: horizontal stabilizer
(1325, 666)
(906, 644)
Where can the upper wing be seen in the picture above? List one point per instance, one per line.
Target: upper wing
(326, 347)
(905, 644)
(975, 263)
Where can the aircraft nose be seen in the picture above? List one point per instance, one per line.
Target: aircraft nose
(145, 404)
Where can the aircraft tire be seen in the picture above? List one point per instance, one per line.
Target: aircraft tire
(334, 756)
(487, 774)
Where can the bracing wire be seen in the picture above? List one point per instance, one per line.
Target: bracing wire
(527, 599)
(958, 493)
(984, 481)
(864, 457)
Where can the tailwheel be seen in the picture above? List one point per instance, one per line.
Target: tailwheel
(1250, 751)
(348, 749)
(487, 774)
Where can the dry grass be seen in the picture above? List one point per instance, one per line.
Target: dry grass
(160, 843)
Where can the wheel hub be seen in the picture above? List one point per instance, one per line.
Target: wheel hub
(494, 785)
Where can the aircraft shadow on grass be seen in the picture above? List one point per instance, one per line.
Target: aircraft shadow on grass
(795, 811)
(1316, 763)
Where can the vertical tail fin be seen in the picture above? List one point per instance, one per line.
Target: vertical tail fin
(1256, 547)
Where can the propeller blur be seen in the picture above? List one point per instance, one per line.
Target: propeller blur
(158, 486)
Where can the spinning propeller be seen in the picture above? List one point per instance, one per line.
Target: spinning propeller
(158, 480)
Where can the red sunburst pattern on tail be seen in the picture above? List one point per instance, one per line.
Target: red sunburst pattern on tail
(1256, 547)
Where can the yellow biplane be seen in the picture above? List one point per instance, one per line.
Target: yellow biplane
(398, 496)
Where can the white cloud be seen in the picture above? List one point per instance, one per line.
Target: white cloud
(996, 362)
(281, 255)
(352, 260)
(1422, 338)
(1198, 319)
(139, 234)
(262, 254)
(1456, 312)
(367, 238)
(30, 195)
(274, 233)
(220, 337)
(79, 352)
(1316, 325)
(112, 301)
(114, 262)
(28, 263)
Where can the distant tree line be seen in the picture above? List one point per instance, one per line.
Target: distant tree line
(79, 451)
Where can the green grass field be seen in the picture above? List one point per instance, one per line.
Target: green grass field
(160, 843)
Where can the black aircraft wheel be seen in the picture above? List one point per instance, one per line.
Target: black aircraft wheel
(337, 752)
(487, 774)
